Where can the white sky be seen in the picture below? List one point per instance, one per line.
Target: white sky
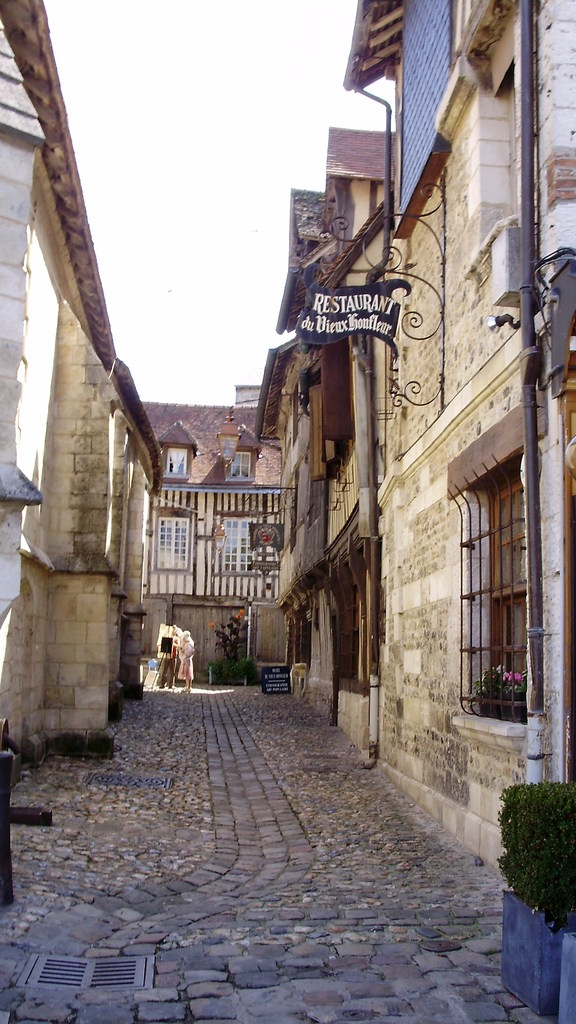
(191, 121)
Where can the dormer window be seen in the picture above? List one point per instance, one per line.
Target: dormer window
(241, 466)
(176, 462)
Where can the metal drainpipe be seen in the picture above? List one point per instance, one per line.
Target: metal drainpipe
(375, 543)
(530, 364)
(249, 631)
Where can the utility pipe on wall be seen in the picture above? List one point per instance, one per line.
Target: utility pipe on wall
(530, 365)
(371, 401)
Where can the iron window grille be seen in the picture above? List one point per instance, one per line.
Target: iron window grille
(493, 594)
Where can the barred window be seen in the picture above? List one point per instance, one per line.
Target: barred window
(493, 594)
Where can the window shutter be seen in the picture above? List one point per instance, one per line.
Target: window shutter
(317, 464)
(336, 392)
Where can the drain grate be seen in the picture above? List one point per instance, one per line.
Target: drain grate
(119, 972)
(136, 781)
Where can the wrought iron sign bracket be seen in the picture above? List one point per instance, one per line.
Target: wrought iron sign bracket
(412, 323)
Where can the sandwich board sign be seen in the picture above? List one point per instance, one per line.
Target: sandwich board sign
(276, 679)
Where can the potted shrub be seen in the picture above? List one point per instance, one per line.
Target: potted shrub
(232, 668)
(538, 828)
(242, 670)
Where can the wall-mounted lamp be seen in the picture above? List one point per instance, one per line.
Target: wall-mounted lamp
(219, 535)
(228, 438)
(570, 457)
(494, 323)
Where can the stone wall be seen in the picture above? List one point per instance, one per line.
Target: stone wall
(426, 743)
(16, 162)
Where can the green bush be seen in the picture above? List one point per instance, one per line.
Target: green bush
(538, 826)
(231, 670)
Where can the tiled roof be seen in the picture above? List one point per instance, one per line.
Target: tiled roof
(355, 154)
(178, 434)
(201, 423)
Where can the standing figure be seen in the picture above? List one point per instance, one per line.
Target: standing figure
(175, 654)
(186, 670)
(165, 674)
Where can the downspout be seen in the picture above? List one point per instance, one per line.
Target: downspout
(249, 631)
(371, 401)
(530, 365)
(123, 560)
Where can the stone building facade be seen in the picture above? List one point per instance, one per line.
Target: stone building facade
(472, 686)
(78, 458)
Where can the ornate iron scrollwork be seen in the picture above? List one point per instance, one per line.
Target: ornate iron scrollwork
(412, 322)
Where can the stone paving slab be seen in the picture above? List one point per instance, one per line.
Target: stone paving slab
(274, 880)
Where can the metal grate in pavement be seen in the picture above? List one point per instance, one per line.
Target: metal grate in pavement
(120, 972)
(136, 781)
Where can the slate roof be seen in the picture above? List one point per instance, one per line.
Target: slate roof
(173, 423)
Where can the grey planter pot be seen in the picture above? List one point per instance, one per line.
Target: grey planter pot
(567, 1007)
(532, 955)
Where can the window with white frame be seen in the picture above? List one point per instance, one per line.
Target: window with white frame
(237, 554)
(241, 466)
(173, 534)
(176, 461)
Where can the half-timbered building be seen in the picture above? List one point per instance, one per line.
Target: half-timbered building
(206, 559)
(315, 400)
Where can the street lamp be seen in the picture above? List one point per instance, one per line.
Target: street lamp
(219, 535)
(228, 437)
(570, 457)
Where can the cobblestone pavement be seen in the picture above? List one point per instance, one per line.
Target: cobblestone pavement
(236, 862)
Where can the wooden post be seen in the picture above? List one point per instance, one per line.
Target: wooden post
(6, 890)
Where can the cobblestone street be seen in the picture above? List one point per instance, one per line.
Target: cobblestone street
(237, 852)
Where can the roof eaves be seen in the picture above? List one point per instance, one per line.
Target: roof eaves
(277, 362)
(376, 43)
(26, 28)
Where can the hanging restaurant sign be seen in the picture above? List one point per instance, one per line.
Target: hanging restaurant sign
(363, 309)
(263, 535)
